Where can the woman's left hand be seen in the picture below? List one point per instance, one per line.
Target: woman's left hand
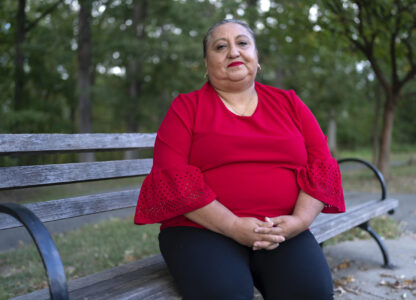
(286, 226)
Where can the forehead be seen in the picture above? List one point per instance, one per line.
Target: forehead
(229, 30)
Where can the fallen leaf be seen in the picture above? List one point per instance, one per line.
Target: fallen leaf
(344, 281)
(129, 258)
(387, 275)
(6, 272)
(399, 283)
(353, 291)
(70, 270)
(344, 265)
(144, 236)
(339, 290)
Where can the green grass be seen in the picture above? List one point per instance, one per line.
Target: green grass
(87, 250)
(402, 180)
(398, 153)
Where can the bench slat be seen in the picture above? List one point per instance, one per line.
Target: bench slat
(28, 176)
(30, 143)
(327, 226)
(77, 206)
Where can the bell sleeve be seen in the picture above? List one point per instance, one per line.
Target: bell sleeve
(321, 176)
(173, 187)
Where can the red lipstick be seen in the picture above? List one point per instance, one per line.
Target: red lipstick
(234, 64)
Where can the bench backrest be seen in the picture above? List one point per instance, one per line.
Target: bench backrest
(53, 174)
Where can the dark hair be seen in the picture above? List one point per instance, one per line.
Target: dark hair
(222, 22)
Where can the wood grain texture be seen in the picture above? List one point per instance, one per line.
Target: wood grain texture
(30, 143)
(29, 176)
(77, 206)
(144, 279)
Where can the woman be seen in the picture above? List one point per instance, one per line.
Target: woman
(240, 172)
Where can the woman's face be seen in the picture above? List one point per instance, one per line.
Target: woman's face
(231, 57)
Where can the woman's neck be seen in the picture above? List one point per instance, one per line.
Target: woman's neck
(242, 102)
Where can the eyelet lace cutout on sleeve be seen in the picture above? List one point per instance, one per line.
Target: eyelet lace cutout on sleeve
(322, 180)
(167, 193)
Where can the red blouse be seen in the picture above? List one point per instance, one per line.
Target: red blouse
(255, 166)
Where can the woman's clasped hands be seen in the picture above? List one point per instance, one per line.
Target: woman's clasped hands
(268, 234)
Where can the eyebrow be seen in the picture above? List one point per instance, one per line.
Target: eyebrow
(224, 39)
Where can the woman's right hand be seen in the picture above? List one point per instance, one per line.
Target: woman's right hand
(243, 231)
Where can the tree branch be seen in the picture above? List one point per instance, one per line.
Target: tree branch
(394, 75)
(43, 15)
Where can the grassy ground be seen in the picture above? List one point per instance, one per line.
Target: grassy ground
(96, 247)
(84, 251)
(402, 178)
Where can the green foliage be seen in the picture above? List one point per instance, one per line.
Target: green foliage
(295, 51)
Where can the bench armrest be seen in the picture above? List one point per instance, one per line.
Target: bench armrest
(49, 253)
(373, 168)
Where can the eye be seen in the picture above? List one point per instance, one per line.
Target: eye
(243, 43)
(220, 46)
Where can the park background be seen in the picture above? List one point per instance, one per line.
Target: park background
(113, 66)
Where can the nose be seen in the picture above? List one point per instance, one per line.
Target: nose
(233, 51)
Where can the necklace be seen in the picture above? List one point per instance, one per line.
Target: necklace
(236, 111)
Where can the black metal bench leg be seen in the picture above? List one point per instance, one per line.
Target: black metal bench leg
(382, 246)
(51, 259)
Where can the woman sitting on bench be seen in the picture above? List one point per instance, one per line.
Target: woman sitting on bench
(240, 172)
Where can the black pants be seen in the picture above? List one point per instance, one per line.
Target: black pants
(207, 265)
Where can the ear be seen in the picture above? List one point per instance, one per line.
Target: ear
(205, 62)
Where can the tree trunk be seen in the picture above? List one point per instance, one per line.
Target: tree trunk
(134, 73)
(19, 56)
(84, 74)
(332, 133)
(376, 130)
(386, 135)
(279, 77)
(251, 13)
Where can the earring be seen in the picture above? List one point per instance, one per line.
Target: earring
(259, 67)
(206, 75)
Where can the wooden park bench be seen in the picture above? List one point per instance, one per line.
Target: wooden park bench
(147, 278)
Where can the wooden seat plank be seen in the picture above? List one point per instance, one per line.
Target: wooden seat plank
(143, 279)
(77, 206)
(325, 229)
(31, 143)
(29, 176)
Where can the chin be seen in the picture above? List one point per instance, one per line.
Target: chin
(240, 77)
